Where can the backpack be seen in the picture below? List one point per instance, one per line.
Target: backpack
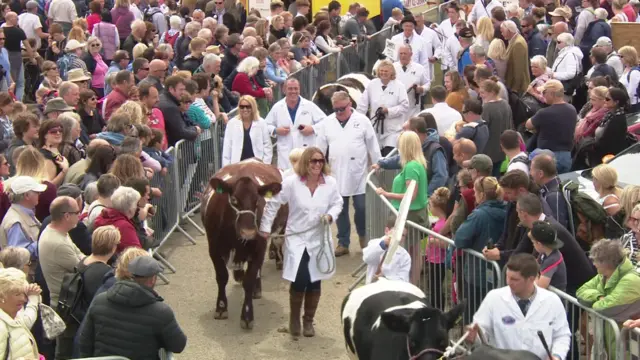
(581, 206)
(171, 39)
(636, 68)
(148, 15)
(71, 303)
(521, 159)
(63, 66)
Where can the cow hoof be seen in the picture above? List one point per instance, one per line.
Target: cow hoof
(279, 266)
(247, 325)
(220, 315)
(257, 294)
(272, 254)
(238, 275)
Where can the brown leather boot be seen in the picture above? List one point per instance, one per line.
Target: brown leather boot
(311, 300)
(295, 303)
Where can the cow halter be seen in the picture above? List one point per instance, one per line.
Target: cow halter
(240, 212)
(424, 351)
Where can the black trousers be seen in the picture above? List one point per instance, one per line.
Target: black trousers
(303, 277)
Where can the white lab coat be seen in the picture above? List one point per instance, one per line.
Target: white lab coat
(447, 28)
(450, 51)
(479, 10)
(415, 74)
(305, 211)
(350, 150)
(504, 325)
(433, 40)
(394, 98)
(398, 269)
(308, 114)
(418, 47)
(234, 140)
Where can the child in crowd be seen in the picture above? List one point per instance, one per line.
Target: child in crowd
(294, 156)
(436, 249)
(153, 147)
(375, 252)
(552, 267)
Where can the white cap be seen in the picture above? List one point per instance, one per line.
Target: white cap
(24, 184)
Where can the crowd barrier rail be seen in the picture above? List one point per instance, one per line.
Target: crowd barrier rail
(631, 343)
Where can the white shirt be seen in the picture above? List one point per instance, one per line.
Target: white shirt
(308, 114)
(136, 11)
(415, 74)
(504, 325)
(394, 98)
(62, 11)
(29, 22)
(397, 270)
(613, 60)
(519, 165)
(450, 52)
(305, 211)
(418, 47)
(234, 141)
(631, 82)
(479, 10)
(351, 147)
(445, 116)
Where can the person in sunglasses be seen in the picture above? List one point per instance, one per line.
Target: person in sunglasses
(352, 141)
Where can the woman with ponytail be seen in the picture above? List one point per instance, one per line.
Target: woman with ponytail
(497, 113)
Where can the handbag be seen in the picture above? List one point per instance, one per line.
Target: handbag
(52, 323)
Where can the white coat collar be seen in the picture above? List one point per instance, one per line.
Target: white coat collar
(510, 300)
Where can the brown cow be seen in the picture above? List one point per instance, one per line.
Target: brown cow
(233, 209)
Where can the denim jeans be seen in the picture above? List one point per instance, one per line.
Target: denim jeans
(20, 84)
(344, 223)
(563, 161)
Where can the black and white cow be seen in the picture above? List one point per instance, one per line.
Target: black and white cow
(353, 84)
(390, 320)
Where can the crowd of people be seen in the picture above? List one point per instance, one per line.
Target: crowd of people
(92, 94)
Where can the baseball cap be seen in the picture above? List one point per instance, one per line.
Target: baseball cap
(70, 190)
(545, 234)
(23, 184)
(144, 266)
(481, 163)
(603, 41)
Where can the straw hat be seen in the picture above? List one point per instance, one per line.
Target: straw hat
(77, 75)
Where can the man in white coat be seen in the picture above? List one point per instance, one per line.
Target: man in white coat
(415, 77)
(482, 8)
(351, 141)
(417, 42)
(510, 317)
(292, 121)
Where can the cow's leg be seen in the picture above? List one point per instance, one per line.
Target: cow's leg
(257, 289)
(279, 257)
(258, 249)
(222, 277)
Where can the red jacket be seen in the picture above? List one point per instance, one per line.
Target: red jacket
(128, 235)
(245, 86)
(114, 100)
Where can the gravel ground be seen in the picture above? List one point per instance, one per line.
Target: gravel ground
(193, 290)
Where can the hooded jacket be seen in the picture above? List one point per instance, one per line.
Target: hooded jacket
(437, 165)
(130, 320)
(128, 234)
(536, 43)
(111, 137)
(595, 30)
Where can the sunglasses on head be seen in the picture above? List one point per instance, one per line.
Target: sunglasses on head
(317, 161)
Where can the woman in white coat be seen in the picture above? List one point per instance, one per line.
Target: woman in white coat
(314, 201)
(247, 135)
(16, 320)
(387, 95)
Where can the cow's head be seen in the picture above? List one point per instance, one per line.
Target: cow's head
(244, 195)
(425, 327)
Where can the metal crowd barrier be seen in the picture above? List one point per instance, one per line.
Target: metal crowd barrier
(631, 343)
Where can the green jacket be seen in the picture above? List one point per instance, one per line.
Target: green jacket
(617, 299)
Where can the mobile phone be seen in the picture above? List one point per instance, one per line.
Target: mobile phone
(490, 245)
(300, 127)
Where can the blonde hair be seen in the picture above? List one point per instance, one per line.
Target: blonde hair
(302, 167)
(198, 42)
(130, 253)
(31, 163)
(489, 187)
(15, 257)
(138, 50)
(629, 55)
(389, 64)
(77, 33)
(497, 50)
(606, 176)
(440, 198)
(134, 111)
(255, 115)
(104, 239)
(485, 28)
(12, 281)
(600, 91)
(295, 154)
(410, 149)
(396, 12)
(185, 74)
(629, 198)
(122, 3)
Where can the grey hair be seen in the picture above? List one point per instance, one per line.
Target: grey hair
(601, 14)
(124, 199)
(209, 21)
(408, 46)
(15, 198)
(192, 28)
(199, 11)
(175, 22)
(340, 96)
(511, 26)
(90, 192)
(164, 47)
(69, 121)
(138, 24)
(607, 252)
(248, 64)
(15, 257)
(273, 48)
(540, 61)
(205, 33)
(477, 50)
(512, 8)
(11, 280)
(210, 59)
(65, 87)
(567, 38)
(530, 204)
(249, 42)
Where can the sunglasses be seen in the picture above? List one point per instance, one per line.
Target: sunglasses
(245, 107)
(5, 163)
(55, 131)
(340, 109)
(53, 68)
(317, 161)
(145, 69)
(634, 219)
(607, 99)
(3, 38)
(95, 45)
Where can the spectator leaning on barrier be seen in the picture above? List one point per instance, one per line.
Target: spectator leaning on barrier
(553, 271)
(124, 205)
(133, 316)
(176, 128)
(614, 292)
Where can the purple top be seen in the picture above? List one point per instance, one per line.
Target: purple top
(122, 18)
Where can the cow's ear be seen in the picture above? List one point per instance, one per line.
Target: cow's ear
(220, 186)
(398, 320)
(453, 316)
(270, 189)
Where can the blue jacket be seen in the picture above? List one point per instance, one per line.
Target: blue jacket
(552, 195)
(437, 164)
(484, 224)
(536, 43)
(274, 73)
(112, 138)
(464, 60)
(4, 62)
(595, 29)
